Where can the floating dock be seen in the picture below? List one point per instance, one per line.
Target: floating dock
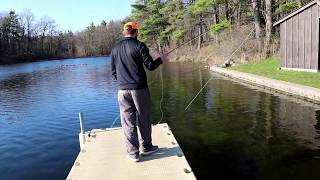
(103, 157)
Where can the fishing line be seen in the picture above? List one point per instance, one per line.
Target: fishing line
(162, 91)
(114, 121)
(161, 75)
(150, 83)
(198, 93)
(155, 77)
(243, 42)
(234, 52)
(187, 42)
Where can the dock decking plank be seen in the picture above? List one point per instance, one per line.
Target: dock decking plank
(104, 157)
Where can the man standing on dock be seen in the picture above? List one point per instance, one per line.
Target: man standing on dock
(127, 60)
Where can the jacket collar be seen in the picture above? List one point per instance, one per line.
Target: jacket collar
(125, 38)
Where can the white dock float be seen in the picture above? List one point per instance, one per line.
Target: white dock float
(104, 157)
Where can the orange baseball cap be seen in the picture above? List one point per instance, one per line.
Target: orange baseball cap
(130, 25)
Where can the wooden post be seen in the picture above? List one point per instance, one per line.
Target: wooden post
(81, 122)
(82, 137)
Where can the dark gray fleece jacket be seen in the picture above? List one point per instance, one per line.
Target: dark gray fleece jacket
(127, 59)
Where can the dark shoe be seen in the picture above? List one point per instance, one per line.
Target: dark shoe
(133, 158)
(150, 151)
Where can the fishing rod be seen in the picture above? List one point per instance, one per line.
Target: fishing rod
(189, 104)
(206, 32)
(161, 76)
(172, 50)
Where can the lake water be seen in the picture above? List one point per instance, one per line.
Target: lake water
(231, 131)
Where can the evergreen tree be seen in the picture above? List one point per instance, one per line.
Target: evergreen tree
(11, 31)
(152, 22)
(175, 12)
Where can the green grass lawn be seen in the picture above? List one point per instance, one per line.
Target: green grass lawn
(270, 68)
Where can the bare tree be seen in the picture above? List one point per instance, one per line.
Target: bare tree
(1, 34)
(257, 21)
(27, 20)
(44, 24)
(52, 32)
(200, 31)
(268, 28)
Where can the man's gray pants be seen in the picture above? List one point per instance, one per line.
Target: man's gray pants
(135, 108)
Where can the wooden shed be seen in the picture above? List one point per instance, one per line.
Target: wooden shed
(299, 39)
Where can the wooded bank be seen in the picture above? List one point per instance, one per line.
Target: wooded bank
(163, 25)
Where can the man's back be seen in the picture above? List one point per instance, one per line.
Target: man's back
(127, 59)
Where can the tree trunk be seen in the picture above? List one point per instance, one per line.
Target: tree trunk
(0, 44)
(50, 45)
(239, 13)
(256, 14)
(28, 43)
(268, 28)
(216, 14)
(217, 40)
(226, 2)
(42, 44)
(200, 38)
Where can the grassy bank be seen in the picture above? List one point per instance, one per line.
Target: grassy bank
(270, 68)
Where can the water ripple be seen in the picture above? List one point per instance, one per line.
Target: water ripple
(247, 126)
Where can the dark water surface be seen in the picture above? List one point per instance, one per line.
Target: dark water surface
(231, 131)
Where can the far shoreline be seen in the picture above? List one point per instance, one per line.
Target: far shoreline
(13, 61)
